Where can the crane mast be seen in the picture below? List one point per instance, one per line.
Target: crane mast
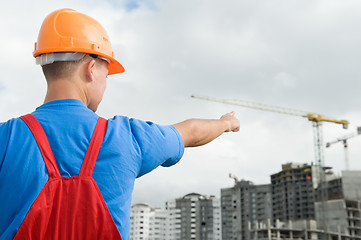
(344, 139)
(316, 120)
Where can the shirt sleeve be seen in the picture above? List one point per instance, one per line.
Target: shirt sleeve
(158, 144)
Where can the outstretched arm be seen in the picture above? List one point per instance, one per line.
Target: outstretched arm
(197, 132)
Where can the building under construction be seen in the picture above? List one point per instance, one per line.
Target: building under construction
(293, 194)
(295, 230)
(343, 204)
(290, 207)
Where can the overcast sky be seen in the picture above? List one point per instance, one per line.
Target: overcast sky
(298, 54)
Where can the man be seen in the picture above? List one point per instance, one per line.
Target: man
(66, 173)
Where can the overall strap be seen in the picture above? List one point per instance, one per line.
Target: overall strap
(94, 147)
(43, 144)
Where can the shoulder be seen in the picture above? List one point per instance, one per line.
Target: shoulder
(131, 125)
(140, 128)
(143, 134)
(10, 130)
(11, 125)
(13, 129)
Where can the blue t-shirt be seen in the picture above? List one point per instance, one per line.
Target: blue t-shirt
(131, 148)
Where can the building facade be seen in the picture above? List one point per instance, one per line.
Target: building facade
(342, 208)
(147, 223)
(293, 192)
(244, 204)
(288, 208)
(296, 230)
(174, 223)
(199, 217)
(192, 217)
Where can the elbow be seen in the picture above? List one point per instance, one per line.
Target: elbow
(188, 132)
(196, 136)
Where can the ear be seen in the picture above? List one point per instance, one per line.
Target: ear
(90, 69)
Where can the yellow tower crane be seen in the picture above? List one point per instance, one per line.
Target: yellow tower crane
(316, 120)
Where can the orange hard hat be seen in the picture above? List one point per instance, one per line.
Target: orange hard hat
(67, 30)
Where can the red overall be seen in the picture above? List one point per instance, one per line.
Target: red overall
(68, 207)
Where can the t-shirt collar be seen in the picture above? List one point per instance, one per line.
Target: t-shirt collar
(63, 102)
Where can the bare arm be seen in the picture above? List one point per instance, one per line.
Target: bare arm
(197, 132)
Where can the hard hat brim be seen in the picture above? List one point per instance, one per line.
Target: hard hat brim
(115, 67)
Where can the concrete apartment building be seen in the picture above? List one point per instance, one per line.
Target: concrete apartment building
(174, 223)
(244, 204)
(293, 192)
(288, 208)
(343, 209)
(199, 217)
(343, 217)
(296, 230)
(147, 223)
(217, 219)
(192, 217)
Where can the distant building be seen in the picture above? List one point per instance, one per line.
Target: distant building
(148, 223)
(199, 217)
(193, 216)
(288, 208)
(293, 194)
(351, 185)
(343, 210)
(174, 223)
(295, 230)
(243, 204)
(217, 218)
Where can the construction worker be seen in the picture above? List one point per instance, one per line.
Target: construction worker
(65, 172)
